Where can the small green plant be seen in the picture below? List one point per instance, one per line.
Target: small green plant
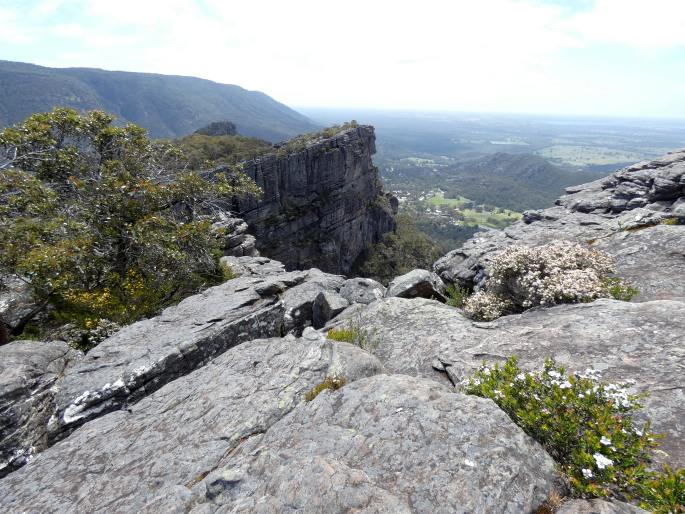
(354, 333)
(456, 296)
(330, 382)
(664, 492)
(585, 425)
(619, 289)
(669, 221)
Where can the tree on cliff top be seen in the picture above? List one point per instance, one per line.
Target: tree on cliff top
(101, 222)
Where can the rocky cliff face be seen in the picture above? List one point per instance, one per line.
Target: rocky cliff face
(322, 204)
(205, 409)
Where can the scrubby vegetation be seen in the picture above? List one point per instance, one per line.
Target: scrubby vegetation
(354, 333)
(332, 383)
(206, 151)
(399, 252)
(105, 225)
(522, 277)
(588, 427)
(301, 142)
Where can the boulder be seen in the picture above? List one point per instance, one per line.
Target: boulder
(28, 370)
(389, 443)
(16, 302)
(327, 305)
(149, 457)
(640, 341)
(362, 290)
(299, 300)
(144, 356)
(252, 266)
(417, 283)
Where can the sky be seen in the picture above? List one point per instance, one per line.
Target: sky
(584, 57)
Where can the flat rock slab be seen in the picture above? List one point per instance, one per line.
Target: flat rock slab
(652, 259)
(389, 443)
(417, 283)
(148, 354)
(28, 369)
(149, 457)
(640, 341)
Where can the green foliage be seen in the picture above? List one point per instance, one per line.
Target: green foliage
(619, 289)
(664, 492)
(227, 272)
(457, 296)
(332, 383)
(587, 426)
(399, 252)
(205, 151)
(102, 222)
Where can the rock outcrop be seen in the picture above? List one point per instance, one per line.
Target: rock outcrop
(212, 408)
(28, 370)
(622, 214)
(321, 204)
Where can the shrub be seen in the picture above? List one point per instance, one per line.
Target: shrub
(588, 427)
(456, 296)
(331, 382)
(522, 277)
(102, 222)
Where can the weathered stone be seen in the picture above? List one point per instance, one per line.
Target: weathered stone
(386, 444)
(327, 305)
(321, 205)
(417, 283)
(28, 369)
(252, 266)
(598, 507)
(299, 300)
(148, 457)
(16, 302)
(362, 290)
(640, 341)
(144, 356)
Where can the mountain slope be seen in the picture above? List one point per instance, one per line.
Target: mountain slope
(516, 182)
(167, 105)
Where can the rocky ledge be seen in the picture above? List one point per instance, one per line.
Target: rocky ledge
(213, 407)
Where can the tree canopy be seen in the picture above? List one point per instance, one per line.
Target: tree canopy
(102, 222)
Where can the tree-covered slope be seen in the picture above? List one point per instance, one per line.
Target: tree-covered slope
(166, 105)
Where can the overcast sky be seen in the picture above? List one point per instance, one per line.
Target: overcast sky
(603, 57)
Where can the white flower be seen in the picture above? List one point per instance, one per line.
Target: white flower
(520, 377)
(638, 432)
(486, 371)
(605, 441)
(601, 461)
(587, 473)
(565, 385)
(554, 374)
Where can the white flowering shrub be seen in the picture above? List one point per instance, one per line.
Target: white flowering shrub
(522, 277)
(588, 427)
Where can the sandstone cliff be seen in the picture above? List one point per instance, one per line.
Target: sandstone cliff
(322, 203)
(202, 409)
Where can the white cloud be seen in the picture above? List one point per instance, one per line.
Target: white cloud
(501, 55)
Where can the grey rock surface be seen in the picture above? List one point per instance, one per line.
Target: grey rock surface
(252, 266)
(640, 341)
(16, 301)
(419, 283)
(362, 290)
(235, 239)
(321, 205)
(598, 507)
(389, 443)
(149, 457)
(28, 370)
(148, 354)
(327, 305)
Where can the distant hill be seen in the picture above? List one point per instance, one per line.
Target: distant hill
(517, 182)
(166, 105)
